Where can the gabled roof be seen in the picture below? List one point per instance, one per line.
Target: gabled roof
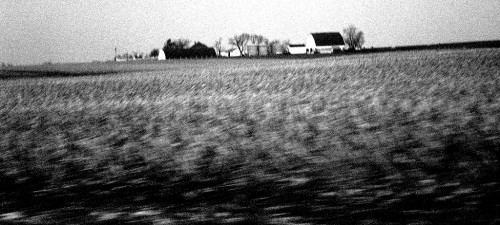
(297, 45)
(328, 39)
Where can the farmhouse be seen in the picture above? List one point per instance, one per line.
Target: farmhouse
(230, 53)
(296, 49)
(324, 43)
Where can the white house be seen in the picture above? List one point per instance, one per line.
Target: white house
(230, 53)
(120, 58)
(324, 43)
(297, 49)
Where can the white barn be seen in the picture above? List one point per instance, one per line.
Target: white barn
(161, 55)
(324, 43)
(297, 49)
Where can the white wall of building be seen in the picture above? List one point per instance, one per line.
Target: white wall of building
(234, 53)
(324, 49)
(161, 55)
(297, 50)
(310, 43)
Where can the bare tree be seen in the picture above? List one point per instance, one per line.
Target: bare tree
(258, 39)
(240, 41)
(218, 46)
(229, 50)
(353, 37)
(286, 42)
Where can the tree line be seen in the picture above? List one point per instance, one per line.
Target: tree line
(181, 48)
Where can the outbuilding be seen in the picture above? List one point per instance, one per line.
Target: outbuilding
(324, 43)
(230, 53)
(296, 49)
(161, 55)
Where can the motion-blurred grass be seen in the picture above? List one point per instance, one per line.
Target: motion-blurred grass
(406, 137)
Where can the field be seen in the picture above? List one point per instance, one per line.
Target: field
(388, 138)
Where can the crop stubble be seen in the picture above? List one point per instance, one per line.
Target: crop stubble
(346, 139)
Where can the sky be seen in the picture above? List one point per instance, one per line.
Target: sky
(59, 31)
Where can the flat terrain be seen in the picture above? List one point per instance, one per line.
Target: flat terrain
(389, 138)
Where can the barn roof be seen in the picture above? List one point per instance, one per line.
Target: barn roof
(328, 38)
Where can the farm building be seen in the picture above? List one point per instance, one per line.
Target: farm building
(297, 49)
(230, 53)
(125, 57)
(324, 43)
(121, 58)
(161, 55)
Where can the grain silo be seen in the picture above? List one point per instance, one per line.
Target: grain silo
(277, 49)
(262, 50)
(253, 50)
